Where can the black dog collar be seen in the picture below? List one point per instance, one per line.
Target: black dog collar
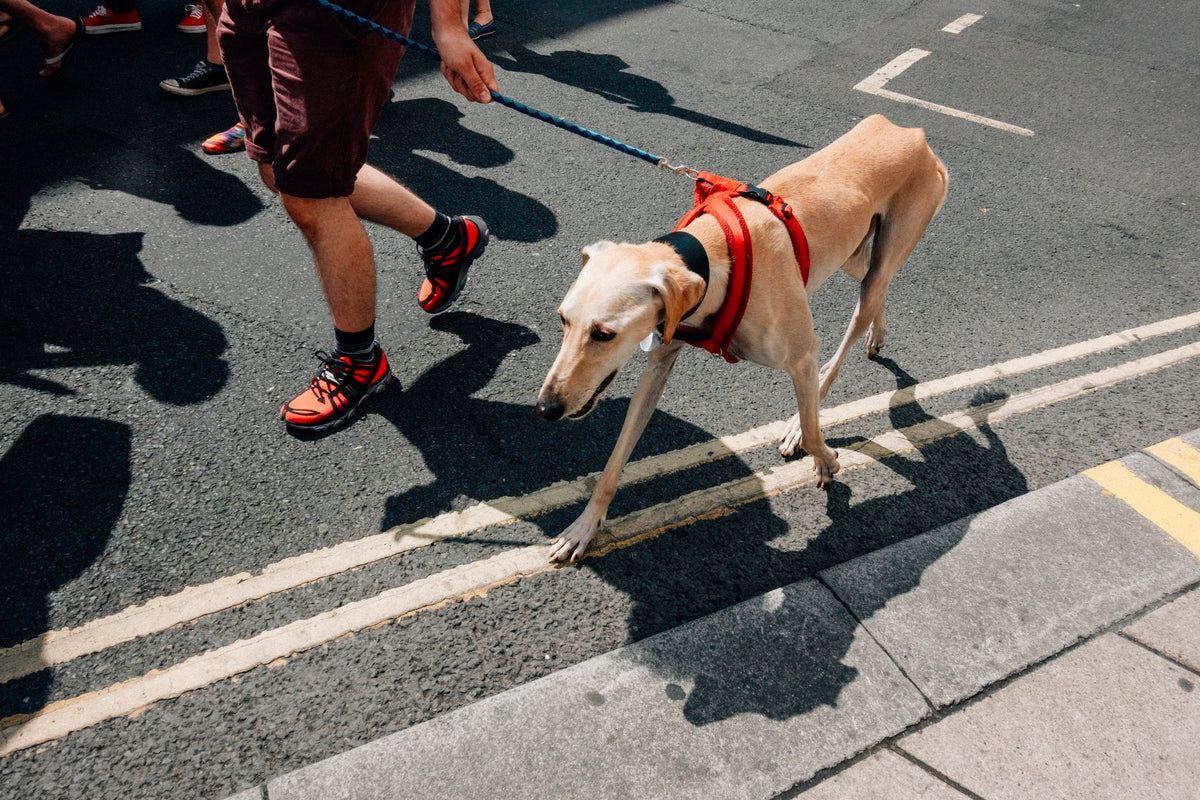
(694, 256)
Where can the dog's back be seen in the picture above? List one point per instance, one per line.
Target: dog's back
(877, 172)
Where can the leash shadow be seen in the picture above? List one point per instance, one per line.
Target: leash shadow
(800, 643)
(606, 76)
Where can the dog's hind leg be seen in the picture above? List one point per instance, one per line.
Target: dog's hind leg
(874, 272)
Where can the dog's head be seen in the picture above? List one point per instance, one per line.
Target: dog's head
(622, 294)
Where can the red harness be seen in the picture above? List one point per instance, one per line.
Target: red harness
(715, 196)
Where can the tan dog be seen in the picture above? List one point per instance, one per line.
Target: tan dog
(864, 202)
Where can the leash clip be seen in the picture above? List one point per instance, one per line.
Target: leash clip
(686, 172)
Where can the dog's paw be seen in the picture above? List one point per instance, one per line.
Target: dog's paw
(825, 469)
(566, 548)
(789, 443)
(572, 543)
(874, 340)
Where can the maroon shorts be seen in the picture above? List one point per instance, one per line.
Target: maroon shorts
(310, 86)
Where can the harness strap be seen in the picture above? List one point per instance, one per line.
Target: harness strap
(715, 196)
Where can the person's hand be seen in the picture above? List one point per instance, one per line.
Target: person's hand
(466, 67)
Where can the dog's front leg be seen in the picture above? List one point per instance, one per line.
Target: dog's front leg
(804, 429)
(571, 544)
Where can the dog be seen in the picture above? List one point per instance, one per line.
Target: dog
(863, 201)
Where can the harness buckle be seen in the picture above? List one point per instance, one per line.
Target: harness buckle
(757, 193)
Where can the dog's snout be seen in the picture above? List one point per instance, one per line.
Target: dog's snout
(550, 410)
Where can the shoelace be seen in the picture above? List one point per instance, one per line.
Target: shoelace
(334, 372)
(201, 69)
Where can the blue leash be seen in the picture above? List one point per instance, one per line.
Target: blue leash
(388, 33)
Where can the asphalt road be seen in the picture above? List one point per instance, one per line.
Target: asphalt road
(158, 307)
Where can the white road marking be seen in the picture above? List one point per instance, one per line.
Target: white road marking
(874, 83)
(469, 580)
(162, 613)
(962, 23)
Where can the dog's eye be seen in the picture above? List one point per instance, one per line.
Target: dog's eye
(601, 335)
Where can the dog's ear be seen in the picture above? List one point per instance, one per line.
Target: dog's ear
(681, 291)
(598, 247)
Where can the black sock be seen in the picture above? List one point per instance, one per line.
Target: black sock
(438, 231)
(215, 66)
(359, 346)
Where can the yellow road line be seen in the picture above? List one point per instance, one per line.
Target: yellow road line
(1179, 455)
(1180, 522)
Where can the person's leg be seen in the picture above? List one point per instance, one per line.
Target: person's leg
(343, 256)
(212, 13)
(54, 32)
(380, 199)
(483, 11)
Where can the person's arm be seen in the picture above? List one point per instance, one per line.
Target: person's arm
(463, 63)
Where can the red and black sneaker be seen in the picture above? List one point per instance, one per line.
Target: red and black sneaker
(336, 392)
(446, 269)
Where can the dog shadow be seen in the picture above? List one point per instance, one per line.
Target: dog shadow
(796, 644)
(482, 448)
(607, 77)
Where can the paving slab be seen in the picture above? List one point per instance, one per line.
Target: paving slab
(882, 776)
(1173, 630)
(1109, 719)
(745, 703)
(975, 601)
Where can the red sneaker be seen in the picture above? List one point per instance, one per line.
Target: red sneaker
(104, 21)
(446, 269)
(333, 396)
(193, 19)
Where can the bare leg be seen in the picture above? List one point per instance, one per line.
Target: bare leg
(54, 32)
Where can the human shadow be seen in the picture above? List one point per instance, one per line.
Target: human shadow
(606, 76)
(76, 301)
(63, 483)
(83, 300)
(786, 657)
(510, 215)
(176, 177)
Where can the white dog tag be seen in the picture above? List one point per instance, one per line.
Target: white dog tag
(650, 342)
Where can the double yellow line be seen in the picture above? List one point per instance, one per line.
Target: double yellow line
(1180, 522)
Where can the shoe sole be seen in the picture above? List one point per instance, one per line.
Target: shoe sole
(342, 420)
(480, 246)
(182, 92)
(132, 26)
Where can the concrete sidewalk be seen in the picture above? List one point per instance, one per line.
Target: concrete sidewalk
(1046, 648)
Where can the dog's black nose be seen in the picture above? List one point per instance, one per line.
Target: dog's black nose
(550, 409)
